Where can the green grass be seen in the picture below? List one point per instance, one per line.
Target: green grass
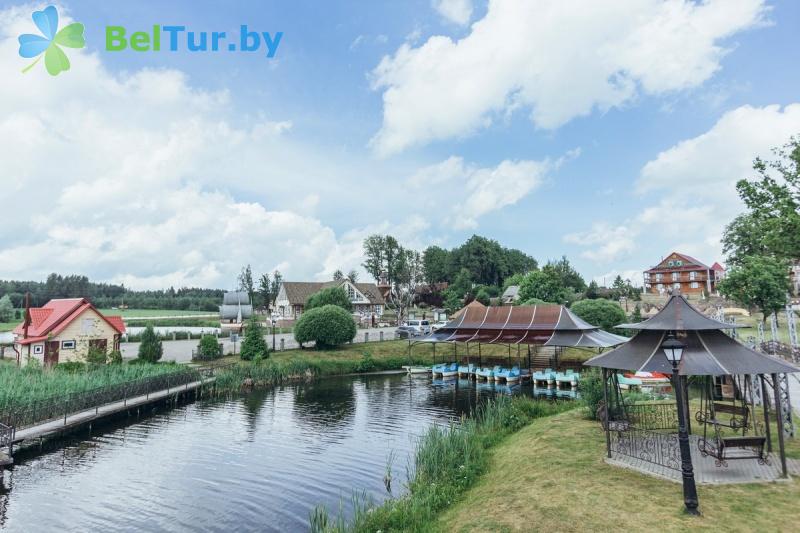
(145, 313)
(20, 387)
(8, 326)
(552, 477)
(754, 319)
(447, 462)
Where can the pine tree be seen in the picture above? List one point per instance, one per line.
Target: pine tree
(150, 348)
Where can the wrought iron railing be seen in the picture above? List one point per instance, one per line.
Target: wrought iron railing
(791, 353)
(653, 416)
(651, 446)
(62, 406)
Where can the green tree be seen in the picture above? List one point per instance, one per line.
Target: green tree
(636, 316)
(758, 281)
(338, 275)
(546, 285)
(6, 309)
(265, 290)
(327, 326)
(277, 281)
(452, 302)
(254, 344)
(483, 296)
(150, 348)
(435, 264)
(514, 279)
(568, 276)
(374, 257)
(329, 296)
(209, 347)
(246, 282)
(96, 356)
(600, 312)
(591, 290)
(772, 224)
(353, 275)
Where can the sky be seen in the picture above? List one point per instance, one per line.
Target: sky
(609, 132)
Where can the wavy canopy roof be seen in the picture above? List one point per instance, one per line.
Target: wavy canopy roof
(679, 315)
(549, 324)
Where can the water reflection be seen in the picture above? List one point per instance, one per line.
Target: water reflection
(259, 462)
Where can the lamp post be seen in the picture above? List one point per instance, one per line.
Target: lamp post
(673, 349)
(273, 333)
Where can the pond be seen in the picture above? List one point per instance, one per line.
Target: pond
(252, 463)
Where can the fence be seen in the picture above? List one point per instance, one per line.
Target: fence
(63, 405)
(6, 435)
(791, 353)
(651, 446)
(653, 416)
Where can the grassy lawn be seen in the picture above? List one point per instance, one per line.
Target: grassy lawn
(551, 477)
(8, 326)
(754, 319)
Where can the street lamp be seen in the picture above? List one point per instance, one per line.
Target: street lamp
(673, 350)
(273, 333)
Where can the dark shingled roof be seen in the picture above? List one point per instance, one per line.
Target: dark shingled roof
(707, 353)
(679, 315)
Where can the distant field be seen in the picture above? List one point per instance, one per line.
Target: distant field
(8, 326)
(144, 313)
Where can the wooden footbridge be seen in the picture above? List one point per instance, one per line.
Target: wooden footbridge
(62, 415)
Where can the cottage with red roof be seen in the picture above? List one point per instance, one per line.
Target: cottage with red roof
(64, 330)
(684, 272)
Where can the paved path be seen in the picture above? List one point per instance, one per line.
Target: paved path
(74, 420)
(181, 351)
(707, 473)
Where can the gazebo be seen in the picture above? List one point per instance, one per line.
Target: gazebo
(522, 325)
(643, 436)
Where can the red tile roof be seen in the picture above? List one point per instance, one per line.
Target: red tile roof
(57, 314)
(717, 266)
(695, 264)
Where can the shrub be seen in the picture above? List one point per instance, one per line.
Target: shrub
(115, 357)
(592, 391)
(254, 343)
(150, 349)
(327, 326)
(71, 367)
(367, 363)
(208, 347)
(96, 356)
(600, 312)
(329, 296)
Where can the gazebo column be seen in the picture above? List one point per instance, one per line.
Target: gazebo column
(765, 405)
(779, 417)
(605, 414)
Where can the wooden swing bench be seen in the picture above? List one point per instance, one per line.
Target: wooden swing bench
(720, 450)
(740, 416)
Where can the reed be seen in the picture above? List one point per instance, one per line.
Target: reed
(447, 461)
(21, 387)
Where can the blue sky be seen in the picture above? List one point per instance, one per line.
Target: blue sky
(612, 134)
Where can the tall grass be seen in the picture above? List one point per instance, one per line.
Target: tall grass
(272, 371)
(447, 462)
(21, 387)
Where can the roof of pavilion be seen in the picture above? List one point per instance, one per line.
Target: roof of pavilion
(680, 315)
(548, 324)
(706, 353)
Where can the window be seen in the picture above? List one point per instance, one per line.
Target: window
(87, 325)
(676, 285)
(678, 263)
(646, 275)
(675, 276)
(659, 277)
(660, 286)
(68, 345)
(671, 263)
(695, 285)
(351, 292)
(692, 276)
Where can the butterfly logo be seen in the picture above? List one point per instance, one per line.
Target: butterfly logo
(51, 41)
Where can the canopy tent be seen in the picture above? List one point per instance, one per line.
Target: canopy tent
(547, 324)
(706, 353)
(679, 315)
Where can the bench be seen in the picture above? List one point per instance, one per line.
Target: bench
(740, 416)
(754, 443)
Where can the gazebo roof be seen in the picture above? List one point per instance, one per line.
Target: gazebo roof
(706, 353)
(549, 324)
(679, 315)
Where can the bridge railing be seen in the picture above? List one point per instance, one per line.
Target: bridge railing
(61, 406)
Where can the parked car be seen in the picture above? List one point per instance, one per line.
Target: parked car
(405, 332)
(422, 327)
(438, 325)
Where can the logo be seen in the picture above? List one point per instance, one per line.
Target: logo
(51, 41)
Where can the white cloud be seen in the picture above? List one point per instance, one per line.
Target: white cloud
(555, 58)
(476, 191)
(455, 11)
(691, 187)
(142, 178)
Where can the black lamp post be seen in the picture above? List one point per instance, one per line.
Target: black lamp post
(273, 333)
(673, 349)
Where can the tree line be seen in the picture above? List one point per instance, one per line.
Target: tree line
(107, 295)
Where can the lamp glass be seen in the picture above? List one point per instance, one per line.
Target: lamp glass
(673, 349)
